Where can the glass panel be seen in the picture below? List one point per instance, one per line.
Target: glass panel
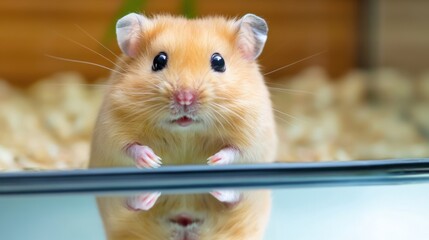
(358, 212)
(368, 199)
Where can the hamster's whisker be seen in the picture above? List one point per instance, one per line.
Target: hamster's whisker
(91, 50)
(132, 90)
(289, 122)
(151, 108)
(137, 113)
(285, 121)
(218, 120)
(83, 62)
(286, 90)
(134, 107)
(137, 108)
(156, 87)
(228, 100)
(217, 129)
(224, 118)
(136, 89)
(159, 110)
(81, 84)
(135, 93)
(102, 45)
(223, 126)
(214, 118)
(155, 113)
(286, 114)
(291, 64)
(234, 113)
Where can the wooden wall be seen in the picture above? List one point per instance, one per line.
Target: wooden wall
(29, 29)
(404, 35)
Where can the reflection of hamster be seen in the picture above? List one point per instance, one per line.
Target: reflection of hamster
(186, 91)
(189, 217)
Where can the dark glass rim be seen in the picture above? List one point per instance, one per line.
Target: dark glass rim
(202, 178)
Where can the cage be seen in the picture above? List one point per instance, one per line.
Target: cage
(348, 80)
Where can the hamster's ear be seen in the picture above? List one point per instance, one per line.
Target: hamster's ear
(252, 35)
(128, 32)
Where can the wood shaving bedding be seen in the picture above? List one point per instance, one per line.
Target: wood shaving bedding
(361, 116)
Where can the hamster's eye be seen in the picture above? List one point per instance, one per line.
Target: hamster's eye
(217, 63)
(160, 61)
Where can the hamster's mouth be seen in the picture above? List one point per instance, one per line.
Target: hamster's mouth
(185, 227)
(184, 121)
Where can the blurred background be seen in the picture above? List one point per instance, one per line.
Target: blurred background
(357, 86)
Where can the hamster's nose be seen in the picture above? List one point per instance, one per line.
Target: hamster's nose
(185, 220)
(184, 97)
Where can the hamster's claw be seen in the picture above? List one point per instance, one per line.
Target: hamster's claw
(143, 156)
(226, 196)
(143, 201)
(224, 156)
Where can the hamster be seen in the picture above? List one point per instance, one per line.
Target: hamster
(185, 92)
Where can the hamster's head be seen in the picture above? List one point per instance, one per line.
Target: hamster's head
(189, 75)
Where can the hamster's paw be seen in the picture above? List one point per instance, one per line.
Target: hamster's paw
(143, 201)
(226, 196)
(224, 156)
(143, 156)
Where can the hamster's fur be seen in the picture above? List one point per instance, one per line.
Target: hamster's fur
(235, 107)
(233, 111)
